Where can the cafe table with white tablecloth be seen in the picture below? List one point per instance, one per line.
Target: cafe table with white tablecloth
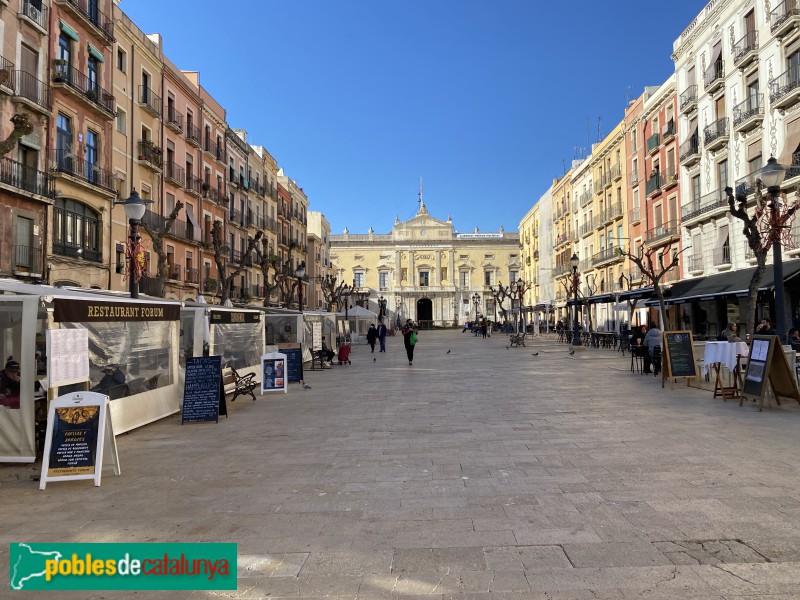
(725, 353)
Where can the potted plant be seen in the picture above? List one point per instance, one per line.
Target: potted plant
(60, 74)
(91, 94)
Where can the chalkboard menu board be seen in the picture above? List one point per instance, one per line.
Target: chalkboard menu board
(78, 431)
(754, 380)
(273, 373)
(678, 355)
(767, 363)
(201, 389)
(294, 361)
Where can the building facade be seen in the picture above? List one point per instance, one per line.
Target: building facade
(426, 270)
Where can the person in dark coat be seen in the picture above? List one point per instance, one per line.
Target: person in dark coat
(9, 384)
(408, 329)
(372, 337)
(382, 331)
(113, 375)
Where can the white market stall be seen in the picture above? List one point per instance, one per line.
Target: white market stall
(235, 334)
(360, 319)
(137, 339)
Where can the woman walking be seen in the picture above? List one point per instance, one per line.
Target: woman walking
(409, 340)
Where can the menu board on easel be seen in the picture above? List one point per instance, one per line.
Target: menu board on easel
(79, 436)
(767, 362)
(273, 373)
(678, 357)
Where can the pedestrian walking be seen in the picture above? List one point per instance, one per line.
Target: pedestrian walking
(484, 328)
(372, 337)
(409, 340)
(382, 335)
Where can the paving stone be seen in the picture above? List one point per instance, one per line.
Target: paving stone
(438, 560)
(525, 558)
(610, 554)
(270, 565)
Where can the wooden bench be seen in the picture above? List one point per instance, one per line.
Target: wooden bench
(516, 340)
(318, 357)
(238, 385)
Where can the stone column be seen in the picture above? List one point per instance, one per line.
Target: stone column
(412, 278)
(437, 280)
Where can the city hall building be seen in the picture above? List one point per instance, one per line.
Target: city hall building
(425, 270)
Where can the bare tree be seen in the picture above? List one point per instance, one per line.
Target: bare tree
(22, 127)
(627, 280)
(500, 293)
(332, 292)
(222, 256)
(157, 230)
(650, 261)
(759, 231)
(269, 263)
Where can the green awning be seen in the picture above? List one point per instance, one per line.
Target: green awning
(69, 31)
(96, 53)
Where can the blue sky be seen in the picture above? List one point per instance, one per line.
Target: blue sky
(485, 100)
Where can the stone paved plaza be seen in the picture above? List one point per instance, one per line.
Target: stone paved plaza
(483, 473)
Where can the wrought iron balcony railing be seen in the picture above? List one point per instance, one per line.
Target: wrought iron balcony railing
(149, 100)
(715, 73)
(688, 98)
(34, 11)
(27, 260)
(86, 88)
(747, 44)
(66, 162)
(29, 87)
(718, 129)
(174, 119)
(749, 108)
(174, 173)
(24, 178)
(89, 10)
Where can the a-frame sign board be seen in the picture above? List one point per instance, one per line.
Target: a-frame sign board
(80, 439)
(677, 356)
(767, 362)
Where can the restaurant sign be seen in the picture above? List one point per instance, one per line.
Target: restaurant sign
(67, 310)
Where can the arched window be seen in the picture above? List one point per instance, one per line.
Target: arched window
(76, 231)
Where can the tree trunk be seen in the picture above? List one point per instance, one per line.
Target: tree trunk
(22, 127)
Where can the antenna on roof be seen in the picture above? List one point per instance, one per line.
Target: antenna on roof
(628, 95)
(599, 121)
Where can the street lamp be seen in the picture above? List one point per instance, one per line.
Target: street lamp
(135, 208)
(346, 291)
(772, 176)
(476, 300)
(300, 272)
(576, 336)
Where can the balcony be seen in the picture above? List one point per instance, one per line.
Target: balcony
(669, 179)
(664, 233)
(150, 155)
(695, 265)
(236, 217)
(653, 142)
(69, 78)
(63, 162)
(193, 185)
(745, 51)
(784, 90)
(792, 177)
(714, 77)
(76, 251)
(173, 272)
(705, 206)
(32, 92)
(216, 151)
(668, 132)
(653, 185)
(634, 178)
(784, 18)
(687, 101)
(193, 134)
(749, 114)
(174, 173)
(215, 195)
(722, 258)
(615, 211)
(615, 172)
(233, 178)
(604, 256)
(27, 261)
(25, 179)
(636, 215)
(34, 13)
(689, 151)
(88, 11)
(150, 101)
(599, 188)
(716, 135)
(192, 276)
(746, 186)
(8, 77)
(180, 229)
(174, 119)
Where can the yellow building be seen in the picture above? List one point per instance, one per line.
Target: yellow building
(529, 240)
(426, 270)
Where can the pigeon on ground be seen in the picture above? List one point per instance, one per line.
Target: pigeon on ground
(373, 359)
(306, 387)
(534, 354)
(506, 347)
(448, 352)
(571, 352)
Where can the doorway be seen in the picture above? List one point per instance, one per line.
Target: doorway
(425, 312)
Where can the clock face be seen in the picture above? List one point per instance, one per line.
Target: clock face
(423, 233)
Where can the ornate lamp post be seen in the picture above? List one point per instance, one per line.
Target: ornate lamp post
(772, 176)
(300, 273)
(345, 295)
(398, 305)
(381, 306)
(476, 299)
(135, 208)
(576, 336)
(521, 287)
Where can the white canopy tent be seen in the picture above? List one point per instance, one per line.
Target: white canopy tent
(360, 319)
